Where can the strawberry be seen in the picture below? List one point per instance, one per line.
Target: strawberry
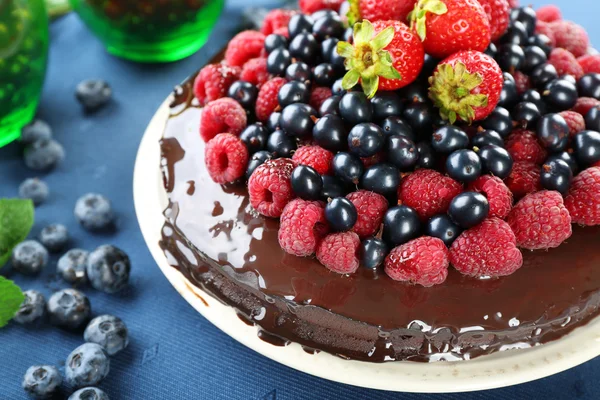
(497, 12)
(449, 26)
(386, 55)
(466, 86)
(379, 10)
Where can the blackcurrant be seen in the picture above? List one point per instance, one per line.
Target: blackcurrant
(525, 15)
(273, 122)
(330, 106)
(496, 160)
(486, 137)
(365, 139)
(463, 166)
(298, 119)
(534, 56)
(293, 92)
(542, 75)
(298, 71)
(426, 156)
(400, 225)
(589, 85)
(373, 253)
(381, 178)
(402, 152)
(274, 41)
(324, 74)
(556, 175)
(244, 93)
(469, 209)
(306, 182)
(416, 92)
(448, 139)
(586, 148)
(560, 94)
(533, 96)
(280, 144)
(347, 167)
(567, 157)
(337, 89)
(525, 114)
(278, 61)
(542, 41)
(516, 34)
(500, 121)
(328, 46)
(491, 50)
(304, 47)
(420, 117)
(592, 119)
(396, 126)
(256, 160)
(386, 104)
(442, 227)
(509, 95)
(553, 132)
(255, 137)
(323, 14)
(510, 57)
(355, 108)
(341, 214)
(329, 26)
(330, 133)
(333, 187)
(300, 23)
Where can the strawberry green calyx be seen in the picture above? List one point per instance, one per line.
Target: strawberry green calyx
(450, 89)
(366, 61)
(419, 14)
(353, 13)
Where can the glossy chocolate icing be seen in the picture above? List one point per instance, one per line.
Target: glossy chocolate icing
(214, 237)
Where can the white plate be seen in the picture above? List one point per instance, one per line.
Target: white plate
(486, 372)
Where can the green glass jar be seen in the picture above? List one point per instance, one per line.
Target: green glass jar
(23, 56)
(150, 30)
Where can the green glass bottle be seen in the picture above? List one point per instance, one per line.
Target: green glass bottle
(23, 56)
(150, 30)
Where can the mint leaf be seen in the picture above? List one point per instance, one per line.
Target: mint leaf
(11, 298)
(16, 220)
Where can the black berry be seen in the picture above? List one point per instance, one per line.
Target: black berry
(355, 108)
(589, 86)
(560, 94)
(341, 214)
(402, 152)
(293, 92)
(534, 56)
(553, 132)
(586, 148)
(274, 41)
(567, 157)
(526, 114)
(448, 139)
(278, 61)
(396, 126)
(463, 166)
(330, 133)
(300, 23)
(486, 137)
(304, 47)
(510, 57)
(297, 119)
(496, 160)
(386, 104)
(298, 71)
(500, 121)
(525, 15)
(373, 253)
(556, 175)
(330, 106)
(324, 74)
(542, 75)
(255, 137)
(592, 119)
(347, 167)
(333, 187)
(306, 182)
(400, 225)
(244, 93)
(365, 139)
(516, 34)
(542, 41)
(257, 159)
(468, 209)
(280, 144)
(442, 227)
(329, 26)
(426, 155)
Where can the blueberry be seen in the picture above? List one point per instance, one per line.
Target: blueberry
(349, 168)
(400, 224)
(298, 119)
(525, 15)
(533, 96)
(567, 157)
(72, 266)
(396, 126)
(586, 148)
(348, 34)
(273, 121)
(43, 155)
(32, 308)
(381, 178)
(542, 75)
(293, 92)
(373, 252)
(337, 89)
(306, 182)
(338, 63)
(304, 47)
(274, 41)
(542, 41)
(341, 214)
(569, 78)
(94, 212)
(280, 144)
(87, 365)
(556, 175)
(468, 209)
(448, 139)
(420, 117)
(500, 121)
(510, 57)
(255, 137)
(54, 237)
(298, 71)
(325, 13)
(463, 166)
(355, 108)
(89, 393)
(560, 94)
(42, 381)
(526, 114)
(108, 269)
(509, 94)
(278, 61)
(244, 93)
(69, 308)
(324, 74)
(386, 104)
(300, 23)
(485, 137)
(491, 50)
(330, 106)
(442, 227)
(34, 189)
(328, 46)
(592, 119)
(515, 35)
(34, 131)
(402, 152)
(589, 85)
(333, 187)
(534, 56)
(496, 160)
(93, 94)
(329, 26)
(416, 92)
(29, 257)
(553, 132)
(426, 156)
(330, 133)
(366, 140)
(109, 332)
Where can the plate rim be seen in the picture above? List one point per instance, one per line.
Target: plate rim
(497, 370)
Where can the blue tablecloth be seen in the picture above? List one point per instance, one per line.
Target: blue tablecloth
(174, 352)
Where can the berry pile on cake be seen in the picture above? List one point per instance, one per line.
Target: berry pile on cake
(372, 152)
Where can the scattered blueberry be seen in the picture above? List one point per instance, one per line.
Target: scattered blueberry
(560, 94)
(34, 131)
(93, 94)
(496, 160)
(109, 332)
(29, 257)
(556, 175)
(255, 137)
(280, 144)
(402, 152)
(298, 71)
(421, 117)
(510, 56)
(448, 139)
(589, 85)
(330, 106)
(304, 47)
(542, 75)
(542, 41)
(553, 132)
(341, 214)
(278, 61)
(274, 41)
(108, 269)
(468, 209)
(306, 182)
(586, 148)
(42, 381)
(32, 308)
(300, 23)
(442, 227)
(293, 92)
(355, 108)
(244, 93)
(463, 166)
(89, 393)
(373, 252)
(87, 365)
(400, 224)
(94, 212)
(69, 308)
(34, 189)
(43, 155)
(516, 35)
(330, 133)
(349, 168)
(54, 237)
(328, 26)
(72, 265)
(365, 139)
(324, 74)
(486, 137)
(386, 104)
(298, 119)
(381, 178)
(500, 121)
(526, 114)
(395, 125)
(534, 56)
(525, 15)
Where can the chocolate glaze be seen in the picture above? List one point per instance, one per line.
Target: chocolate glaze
(214, 237)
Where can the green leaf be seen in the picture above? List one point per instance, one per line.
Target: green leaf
(370, 85)
(421, 28)
(353, 13)
(11, 298)
(363, 32)
(345, 49)
(436, 7)
(350, 79)
(16, 220)
(387, 72)
(383, 38)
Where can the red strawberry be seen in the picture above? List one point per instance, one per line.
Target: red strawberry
(466, 86)
(386, 55)
(449, 26)
(379, 10)
(497, 12)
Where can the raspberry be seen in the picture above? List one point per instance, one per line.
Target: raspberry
(489, 249)
(524, 179)
(222, 116)
(540, 221)
(422, 261)
(565, 63)
(428, 192)
(522, 82)
(544, 28)
(302, 226)
(212, 82)
(267, 102)
(316, 157)
(590, 63)
(374, 159)
(513, 3)
(283, 31)
(226, 158)
(243, 47)
(583, 199)
(570, 36)
(548, 13)
(585, 104)
(339, 252)
(574, 120)
(255, 71)
(276, 19)
(318, 96)
(498, 194)
(523, 145)
(269, 186)
(310, 6)
(370, 208)
(498, 15)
